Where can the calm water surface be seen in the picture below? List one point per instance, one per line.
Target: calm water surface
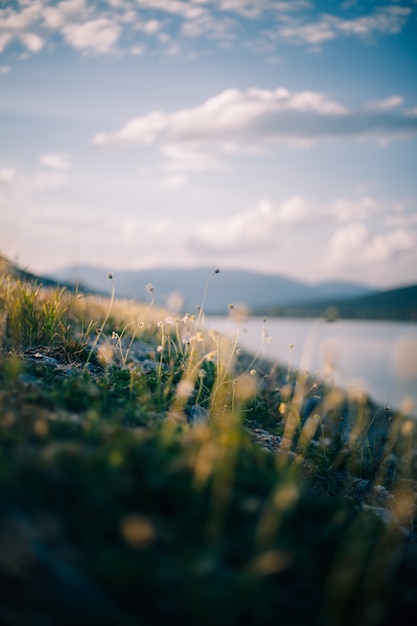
(379, 358)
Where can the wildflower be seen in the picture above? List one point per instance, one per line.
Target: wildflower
(169, 321)
(291, 345)
(110, 276)
(252, 372)
(160, 349)
(213, 335)
(185, 388)
(114, 335)
(185, 319)
(137, 531)
(105, 353)
(150, 288)
(217, 271)
(239, 312)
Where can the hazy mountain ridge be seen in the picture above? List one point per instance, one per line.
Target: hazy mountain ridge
(254, 290)
(393, 304)
(263, 294)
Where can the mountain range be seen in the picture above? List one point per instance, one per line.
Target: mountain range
(263, 294)
(256, 291)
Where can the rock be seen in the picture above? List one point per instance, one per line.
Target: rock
(198, 415)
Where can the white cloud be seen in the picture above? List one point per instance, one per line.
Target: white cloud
(345, 243)
(6, 175)
(245, 8)
(14, 23)
(4, 69)
(388, 103)
(5, 39)
(235, 117)
(140, 130)
(150, 27)
(352, 248)
(346, 210)
(230, 114)
(56, 160)
(32, 42)
(48, 180)
(254, 9)
(411, 112)
(137, 50)
(188, 10)
(259, 226)
(55, 17)
(255, 229)
(386, 20)
(188, 159)
(96, 26)
(384, 246)
(97, 35)
(174, 181)
(209, 25)
(313, 33)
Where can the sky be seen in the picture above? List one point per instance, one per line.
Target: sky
(273, 136)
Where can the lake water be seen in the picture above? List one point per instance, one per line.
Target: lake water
(379, 358)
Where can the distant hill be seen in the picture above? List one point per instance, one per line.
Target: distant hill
(392, 304)
(263, 294)
(11, 269)
(254, 290)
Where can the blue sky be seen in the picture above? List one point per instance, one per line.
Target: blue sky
(257, 134)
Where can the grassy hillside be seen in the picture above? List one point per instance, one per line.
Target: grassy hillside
(394, 304)
(151, 472)
(10, 269)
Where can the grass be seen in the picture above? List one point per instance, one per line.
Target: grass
(150, 471)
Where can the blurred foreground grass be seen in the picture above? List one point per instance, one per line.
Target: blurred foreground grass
(149, 471)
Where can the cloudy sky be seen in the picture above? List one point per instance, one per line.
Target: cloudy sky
(258, 134)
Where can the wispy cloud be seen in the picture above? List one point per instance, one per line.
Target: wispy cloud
(174, 181)
(48, 180)
(386, 20)
(98, 35)
(100, 28)
(388, 103)
(6, 175)
(141, 130)
(185, 158)
(188, 10)
(57, 160)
